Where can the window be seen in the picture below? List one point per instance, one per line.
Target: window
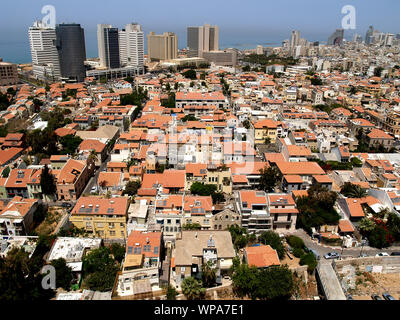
(130, 249)
(112, 233)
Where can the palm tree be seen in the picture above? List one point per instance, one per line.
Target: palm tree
(208, 274)
(192, 288)
(353, 191)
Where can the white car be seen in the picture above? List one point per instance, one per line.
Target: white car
(94, 189)
(382, 254)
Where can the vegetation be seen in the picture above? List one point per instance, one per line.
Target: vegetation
(171, 293)
(47, 182)
(131, 188)
(201, 189)
(191, 226)
(69, 144)
(317, 208)
(350, 190)
(63, 274)
(208, 274)
(118, 251)
(189, 117)
(193, 289)
(240, 237)
(270, 177)
(99, 269)
(274, 283)
(170, 102)
(272, 238)
(20, 277)
(190, 74)
(265, 60)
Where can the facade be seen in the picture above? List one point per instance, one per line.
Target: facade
(72, 51)
(8, 73)
(131, 46)
(43, 45)
(336, 38)
(162, 46)
(105, 218)
(108, 45)
(202, 39)
(221, 58)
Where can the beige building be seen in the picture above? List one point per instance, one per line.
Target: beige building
(162, 46)
(8, 73)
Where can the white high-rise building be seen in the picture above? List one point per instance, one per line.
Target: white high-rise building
(45, 59)
(131, 46)
(294, 40)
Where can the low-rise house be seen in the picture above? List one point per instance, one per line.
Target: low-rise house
(225, 219)
(16, 218)
(97, 147)
(72, 179)
(261, 256)
(196, 248)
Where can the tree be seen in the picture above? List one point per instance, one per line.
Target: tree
(379, 237)
(190, 74)
(316, 81)
(189, 117)
(295, 242)
(171, 293)
(193, 289)
(272, 238)
(6, 172)
(131, 188)
(309, 260)
(366, 225)
(246, 68)
(99, 269)
(246, 124)
(317, 208)
(270, 177)
(353, 191)
(208, 274)
(63, 274)
(191, 226)
(118, 251)
(378, 71)
(47, 182)
(70, 143)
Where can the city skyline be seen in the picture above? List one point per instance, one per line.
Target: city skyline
(238, 28)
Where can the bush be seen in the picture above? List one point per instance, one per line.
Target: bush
(309, 260)
(298, 253)
(295, 242)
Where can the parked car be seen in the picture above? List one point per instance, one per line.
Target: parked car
(363, 255)
(376, 297)
(382, 254)
(94, 189)
(332, 255)
(66, 205)
(349, 297)
(387, 296)
(395, 253)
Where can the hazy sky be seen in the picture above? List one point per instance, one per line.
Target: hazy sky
(241, 22)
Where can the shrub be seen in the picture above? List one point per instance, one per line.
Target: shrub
(309, 260)
(295, 242)
(298, 253)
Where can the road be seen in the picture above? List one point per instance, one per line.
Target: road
(93, 181)
(347, 252)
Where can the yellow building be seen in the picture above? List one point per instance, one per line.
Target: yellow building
(265, 129)
(220, 176)
(105, 218)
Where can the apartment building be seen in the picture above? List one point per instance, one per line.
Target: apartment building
(104, 218)
(72, 179)
(162, 47)
(8, 73)
(201, 99)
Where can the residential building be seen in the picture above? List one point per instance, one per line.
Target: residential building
(162, 47)
(8, 74)
(104, 218)
(202, 39)
(131, 46)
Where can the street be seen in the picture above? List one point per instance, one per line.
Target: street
(93, 181)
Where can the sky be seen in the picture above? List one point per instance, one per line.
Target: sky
(242, 24)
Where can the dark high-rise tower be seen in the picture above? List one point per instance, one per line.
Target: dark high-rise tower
(108, 43)
(336, 38)
(72, 51)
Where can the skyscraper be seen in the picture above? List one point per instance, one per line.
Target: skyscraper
(369, 35)
(162, 46)
(108, 44)
(201, 39)
(336, 38)
(72, 51)
(294, 41)
(131, 46)
(45, 59)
